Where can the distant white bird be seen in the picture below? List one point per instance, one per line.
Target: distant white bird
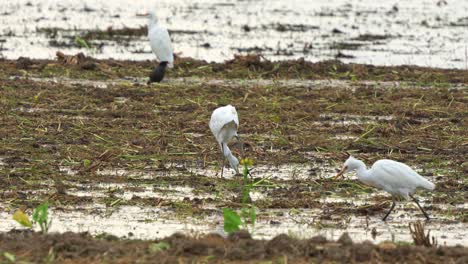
(394, 177)
(162, 47)
(223, 124)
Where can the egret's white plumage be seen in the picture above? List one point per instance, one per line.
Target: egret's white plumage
(160, 41)
(223, 124)
(394, 177)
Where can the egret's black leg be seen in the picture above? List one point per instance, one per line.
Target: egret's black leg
(422, 210)
(391, 209)
(158, 73)
(224, 158)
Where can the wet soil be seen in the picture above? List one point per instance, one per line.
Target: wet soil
(84, 133)
(237, 248)
(69, 123)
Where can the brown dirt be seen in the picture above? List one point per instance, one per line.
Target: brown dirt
(250, 66)
(237, 248)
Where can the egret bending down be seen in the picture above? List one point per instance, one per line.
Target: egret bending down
(392, 176)
(161, 46)
(223, 124)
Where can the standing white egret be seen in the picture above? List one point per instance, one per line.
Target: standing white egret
(162, 47)
(394, 177)
(223, 124)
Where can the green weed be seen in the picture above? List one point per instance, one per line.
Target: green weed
(234, 221)
(40, 216)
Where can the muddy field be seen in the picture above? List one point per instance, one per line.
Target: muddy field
(131, 164)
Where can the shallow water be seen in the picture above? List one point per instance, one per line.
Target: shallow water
(420, 32)
(279, 172)
(154, 222)
(119, 190)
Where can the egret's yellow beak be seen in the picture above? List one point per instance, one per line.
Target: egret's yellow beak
(340, 174)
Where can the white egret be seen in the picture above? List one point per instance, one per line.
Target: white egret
(162, 47)
(223, 124)
(394, 177)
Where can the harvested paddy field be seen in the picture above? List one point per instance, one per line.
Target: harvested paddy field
(130, 164)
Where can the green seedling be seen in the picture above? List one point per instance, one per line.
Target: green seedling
(232, 220)
(157, 247)
(40, 217)
(86, 163)
(82, 43)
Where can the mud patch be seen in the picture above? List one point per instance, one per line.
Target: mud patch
(241, 67)
(237, 247)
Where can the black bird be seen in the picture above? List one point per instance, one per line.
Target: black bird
(158, 73)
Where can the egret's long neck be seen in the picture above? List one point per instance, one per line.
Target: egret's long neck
(233, 161)
(226, 151)
(362, 173)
